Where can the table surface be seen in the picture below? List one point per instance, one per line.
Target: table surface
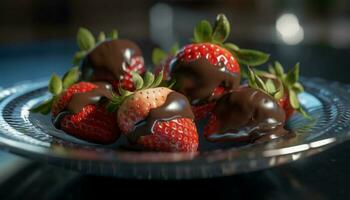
(323, 176)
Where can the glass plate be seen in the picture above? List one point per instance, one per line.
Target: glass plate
(33, 136)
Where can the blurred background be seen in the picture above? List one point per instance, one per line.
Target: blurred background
(37, 38)
(40, 34)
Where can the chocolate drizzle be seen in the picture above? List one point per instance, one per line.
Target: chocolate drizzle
(79, 100)
(108, 61)
(175, 106)
(198, 79)
(248, 114)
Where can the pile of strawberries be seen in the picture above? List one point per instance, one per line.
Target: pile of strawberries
(109, 92)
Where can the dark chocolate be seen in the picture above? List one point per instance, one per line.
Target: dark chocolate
(175, 106)
(198, 79)
(247, 114)
(109, 60)
(80, 100)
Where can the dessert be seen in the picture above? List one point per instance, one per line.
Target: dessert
(208, 68)
(245, 114)
(156, 118)
(78, 109)
(111, 60)
(110, 94)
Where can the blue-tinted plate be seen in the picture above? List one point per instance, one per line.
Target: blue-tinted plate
(33, 136)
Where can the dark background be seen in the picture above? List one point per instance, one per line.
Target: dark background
(37, 38)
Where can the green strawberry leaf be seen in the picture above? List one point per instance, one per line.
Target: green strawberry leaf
(221, 29)
(158, 79)
(251, 78)
(158, 56)
(279, 71)
(101, 37)
(113, 35)
(297, 87)
(280, 91)
(55, 85)
(148, 79)
(270, 86)
(137, 79)
(293, 75)
(293, 100)
(86, 40)
(271, 69)
(251, 57)
(70, 77)
(202, 32)
(78, 56)
(175, 48)
(43, 108)
(231, 47)
(260, 83)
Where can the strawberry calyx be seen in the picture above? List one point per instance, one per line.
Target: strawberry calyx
(159, 55)
(86, 42)
(56, 86)
(140, 83)
(276, 83)
(218, 33)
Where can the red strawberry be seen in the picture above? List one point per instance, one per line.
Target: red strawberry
(219, 58)
(285, 104)
(93, 123)
(76, 108)
(215, 54)
(208, 68)
(111, 60)
(179, 134)
(90, 121)
(158, 119)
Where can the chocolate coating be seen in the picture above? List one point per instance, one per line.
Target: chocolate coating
(108, 61)
(175, 106)
(198, 79)
(248, 114)
(79, 100)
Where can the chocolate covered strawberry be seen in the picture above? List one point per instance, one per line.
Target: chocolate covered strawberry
(110, 59)
(78, 109)
(156, 118)
(284, 87)
(209, 68)
(245, 114)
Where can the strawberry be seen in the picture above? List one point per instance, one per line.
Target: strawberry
(284, 87)
(245, 114)
(286, 105)
(208, 68)
(110, 59)
(75, 109)
(156, 118)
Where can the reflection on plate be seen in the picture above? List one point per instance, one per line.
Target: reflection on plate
(33, 136)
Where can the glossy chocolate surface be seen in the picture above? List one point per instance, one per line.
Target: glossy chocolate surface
(198, 79)
(248, 114)
(109, 60)
(175, 106)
